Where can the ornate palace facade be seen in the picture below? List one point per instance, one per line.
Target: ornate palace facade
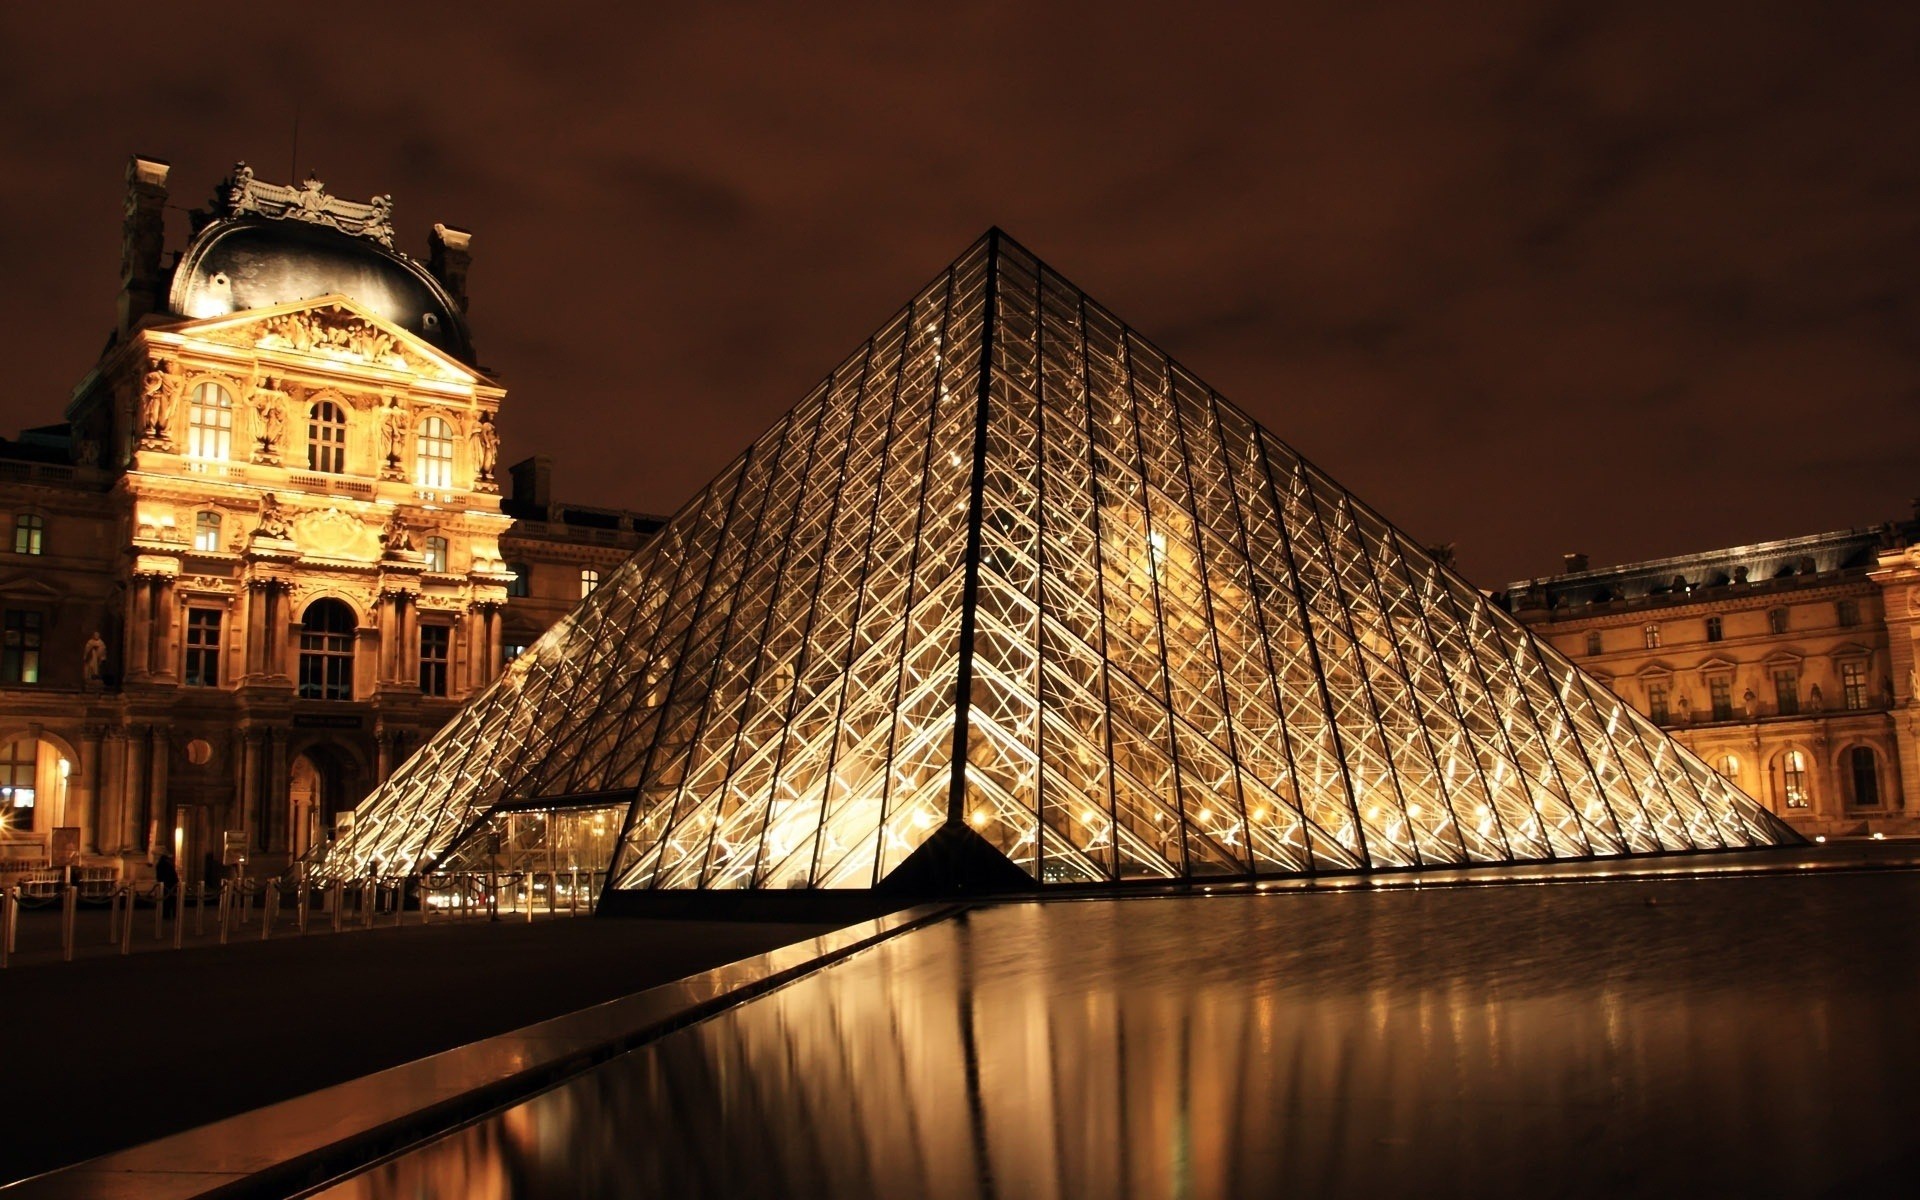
(265, 555)
(1789, 665)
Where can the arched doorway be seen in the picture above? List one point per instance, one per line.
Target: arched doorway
(319, 789)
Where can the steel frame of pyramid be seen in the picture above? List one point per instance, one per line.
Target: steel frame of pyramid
(1010, 573)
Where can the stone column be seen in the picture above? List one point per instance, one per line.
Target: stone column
(89, 787)
(490, 661)
(139, 626)
(383, 754)
(113, 791)
(161, 808)
(134, 809)
(252, 814)
(279, 791)
(165, 656)
(256, 623)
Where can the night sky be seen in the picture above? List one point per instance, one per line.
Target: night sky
(1528, 278)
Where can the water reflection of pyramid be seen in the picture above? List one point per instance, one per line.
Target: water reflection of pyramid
(1011, 576)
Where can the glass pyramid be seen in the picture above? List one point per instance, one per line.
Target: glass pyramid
(1012, 574)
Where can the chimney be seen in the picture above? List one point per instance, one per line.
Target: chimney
(143, 237)
(532, 481)
(448, 257)
(1572, 564)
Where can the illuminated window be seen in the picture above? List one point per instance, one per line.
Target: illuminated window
(20, 631)
(1863, 768)
(210, 422)
(206, 531)
(326, 438)
(1793, 779)
(589, 580)
(202, 667)
(1657, 702)
(1720, 696)
(1853, 685)
(436, 554)
(1848, 612)
(512, 651)
(326, 651)
(1729, 766)
(1776, 620)
(19, 762)
(1652, 637)
(433, 454)
(436, 643)
(1714, 631)
(1786, 692)
(1593, 642)
(29, 533)
(522, 580)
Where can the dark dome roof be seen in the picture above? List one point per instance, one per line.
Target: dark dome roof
(254, 262)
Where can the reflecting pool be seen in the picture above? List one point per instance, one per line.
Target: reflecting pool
(1712, 1036)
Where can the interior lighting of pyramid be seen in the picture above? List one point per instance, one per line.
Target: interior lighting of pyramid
(1009, 572)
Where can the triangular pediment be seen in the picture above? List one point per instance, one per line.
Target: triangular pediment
(1011, 573)
(29, 588)
(1716, 665)
(335, 329)
(1849, 650)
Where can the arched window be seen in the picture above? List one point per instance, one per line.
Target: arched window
(326, 438)
(1729, 767)
(29, 533)
(1863, 768)
(19, 766)
(326, 651)
(1793, 779)
(589, 580)
(522, 584)
(436, 553)
(206, 530)
(210, 422)
(433, 454)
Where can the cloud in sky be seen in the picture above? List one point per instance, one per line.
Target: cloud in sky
(1629, 278)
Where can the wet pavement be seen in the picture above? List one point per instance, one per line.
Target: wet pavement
(1712, 1035)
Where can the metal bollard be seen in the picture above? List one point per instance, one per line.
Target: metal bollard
(159, 910)
(226, 908)
(10, 927)
(179, 915)
(69, 910)
(338, 900)
(526, 879)
(300, 908)
(465, 884)
(200, 910)
(269, 908)
(126, 924)
(399, 901)
(369, 891)
(6, 923)
(113, 916)
(573, 891)
(246, 905)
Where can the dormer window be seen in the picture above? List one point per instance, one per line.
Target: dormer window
(433, 454)
(327, 438)
(210, 422)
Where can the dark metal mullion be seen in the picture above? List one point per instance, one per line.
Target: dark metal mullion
(1414, 701)
(1213, 615)
(970, 590)
(1099, 581)
(913, 559)
(1039, 572)
(1258, 609)
(1313, 646)
(1159, 610)
(1359, 657)
(660, 641)
(1654, 769)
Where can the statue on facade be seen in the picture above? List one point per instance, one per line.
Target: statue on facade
(1913, 685)
(1752, 703)
(1686, 709)
(486, 446)
(395, 537)
(92, 658)
(273, 520)
(1816, 701)
(159, 394)
(270, 410)
(393, 433)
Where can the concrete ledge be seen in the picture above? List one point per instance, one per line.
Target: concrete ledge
(300, 1143)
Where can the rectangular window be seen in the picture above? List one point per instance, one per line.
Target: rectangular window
(206, 531)
(1657, 702)
(20, 647)
(1786, 691)
(1776, 620)
(1720, 693)
(436, 641)
(510, 652)
(1853, 684)
(203, 648)
(1652, 634)
(1593, 643)
(1714, 631)
(437, 554)
(1848, 612)
(29, 533)
(589, 580)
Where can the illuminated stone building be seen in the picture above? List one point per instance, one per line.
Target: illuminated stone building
(265, 556)
(1789, 666)
(1011, 599)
